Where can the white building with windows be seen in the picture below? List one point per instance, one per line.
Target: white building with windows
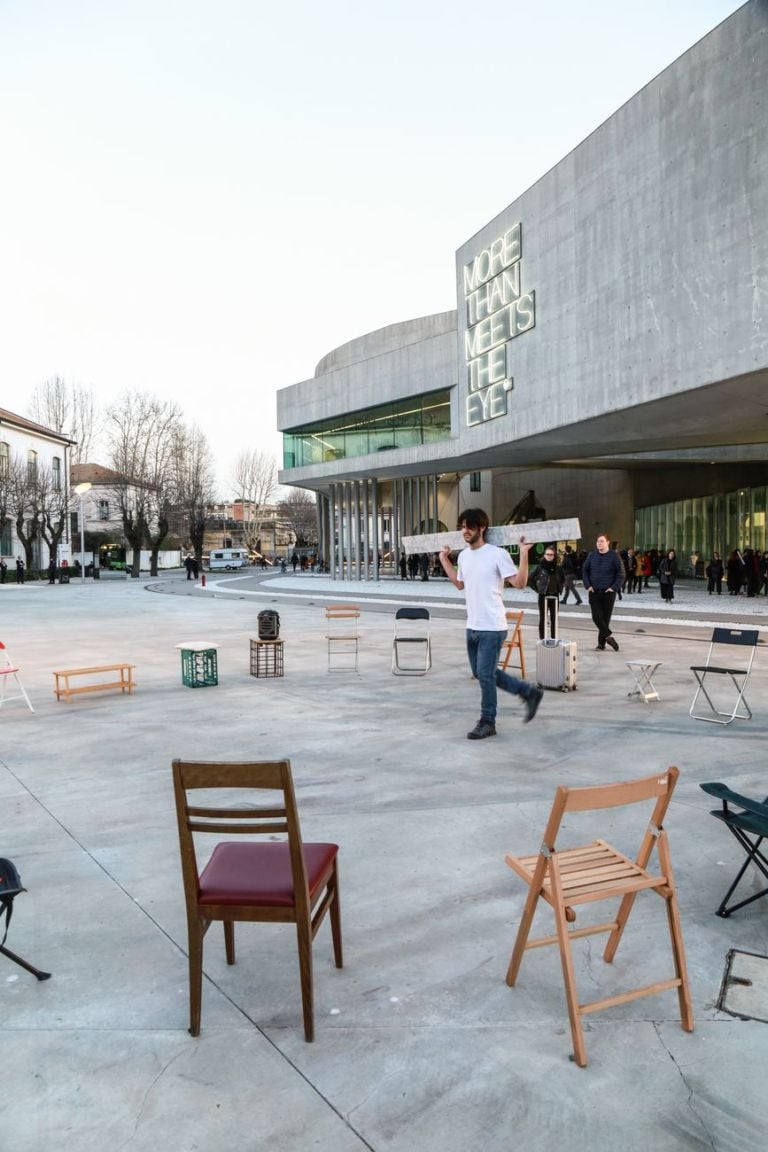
(34, 488)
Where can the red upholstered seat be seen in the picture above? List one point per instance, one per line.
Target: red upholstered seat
(261, 873)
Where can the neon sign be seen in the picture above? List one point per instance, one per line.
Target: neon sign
(497, 313)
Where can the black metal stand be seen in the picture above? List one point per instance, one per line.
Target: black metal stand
(24, 964)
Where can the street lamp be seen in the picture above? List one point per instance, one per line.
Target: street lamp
(81, 490)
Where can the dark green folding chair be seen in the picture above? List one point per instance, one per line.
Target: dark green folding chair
(748, 821)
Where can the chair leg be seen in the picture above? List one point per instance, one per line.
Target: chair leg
(569, 973)
(195, 933)
(229, 941)
(335, 915)
(522, 934)
(676, 937)
(304, 937)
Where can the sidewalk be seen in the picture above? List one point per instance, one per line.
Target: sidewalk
(420, 1046)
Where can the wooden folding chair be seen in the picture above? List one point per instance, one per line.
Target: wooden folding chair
(739, 676)
(747, 819)
(343, 640)
(574, 876)
(513, 642)
(287, 881)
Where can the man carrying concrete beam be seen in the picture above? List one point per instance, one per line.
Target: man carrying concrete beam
(481, 575)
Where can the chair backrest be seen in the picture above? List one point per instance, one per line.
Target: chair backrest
(225, 819)
(658, 787)
(5, 659)
(747, 637)
(342, 612)
(412, 614)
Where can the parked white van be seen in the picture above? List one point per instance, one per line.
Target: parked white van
(227, 558)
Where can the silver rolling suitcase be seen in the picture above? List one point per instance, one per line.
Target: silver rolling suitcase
(555, 661)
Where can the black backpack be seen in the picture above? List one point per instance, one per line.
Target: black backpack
(10, 886)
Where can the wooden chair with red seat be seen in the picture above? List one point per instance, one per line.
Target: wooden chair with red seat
(286, 881)
(573, 876)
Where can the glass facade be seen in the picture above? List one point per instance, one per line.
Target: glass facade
(706, 523)
(401, 424)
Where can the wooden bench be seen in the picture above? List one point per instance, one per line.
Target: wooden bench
(126, 682)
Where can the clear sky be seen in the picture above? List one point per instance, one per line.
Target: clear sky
(200, 198)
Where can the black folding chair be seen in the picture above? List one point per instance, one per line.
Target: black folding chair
(412, 631)
(722, 637)
(749, 826)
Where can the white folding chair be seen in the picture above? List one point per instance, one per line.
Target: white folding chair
(8, 669)
(411, 632)
(721, 638)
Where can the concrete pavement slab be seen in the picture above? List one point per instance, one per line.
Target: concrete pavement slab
(420, 1043)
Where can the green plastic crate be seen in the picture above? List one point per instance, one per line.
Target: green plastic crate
(199, 669)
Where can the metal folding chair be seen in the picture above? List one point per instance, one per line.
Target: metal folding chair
(745, 638)
(749, 824)
(411, 632)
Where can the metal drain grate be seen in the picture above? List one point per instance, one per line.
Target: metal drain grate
(744, 991)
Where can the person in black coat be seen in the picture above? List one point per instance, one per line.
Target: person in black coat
(668, 575)
(547, 579)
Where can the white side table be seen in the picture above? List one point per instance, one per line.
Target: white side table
(643, 672)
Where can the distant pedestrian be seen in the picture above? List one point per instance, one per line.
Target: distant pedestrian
(570, 570)
(3, 570)
(424, 565)
(52, 570)
(714, 574)
(189, 564)
(403, 566)
(19, 570)
(413, 565)
(547, 579)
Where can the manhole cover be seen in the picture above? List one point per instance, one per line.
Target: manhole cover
(744, 991)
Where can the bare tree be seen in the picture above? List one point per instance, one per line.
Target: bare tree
(142, 432)
(69, 409)
(299, 510)
(23, 505)
(254, 478)
(194, 488)
(51, 499)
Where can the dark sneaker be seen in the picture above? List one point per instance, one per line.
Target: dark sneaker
(600, 648)
(482, 730)
(532, 703)
(610, 640)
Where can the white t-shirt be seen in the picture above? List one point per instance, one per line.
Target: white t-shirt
(483, 572)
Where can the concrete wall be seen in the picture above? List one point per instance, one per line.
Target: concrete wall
(647, 246)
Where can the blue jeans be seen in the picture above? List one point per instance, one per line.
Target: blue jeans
(483, 650)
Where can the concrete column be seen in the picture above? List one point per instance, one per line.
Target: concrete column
(435, 516)
(332, 534)
(375, 543)
(355, 537)
(366, 532)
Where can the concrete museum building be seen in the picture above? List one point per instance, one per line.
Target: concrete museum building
(609, 351)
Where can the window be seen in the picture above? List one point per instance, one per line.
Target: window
(5, 459)
(103, 509)
(32, 464)
(6, 546)
(475, 484)
(56, 473)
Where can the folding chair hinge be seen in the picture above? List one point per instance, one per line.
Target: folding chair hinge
(545, 850)
(654, 829)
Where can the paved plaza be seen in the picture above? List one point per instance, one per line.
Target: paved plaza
(420, 1045)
